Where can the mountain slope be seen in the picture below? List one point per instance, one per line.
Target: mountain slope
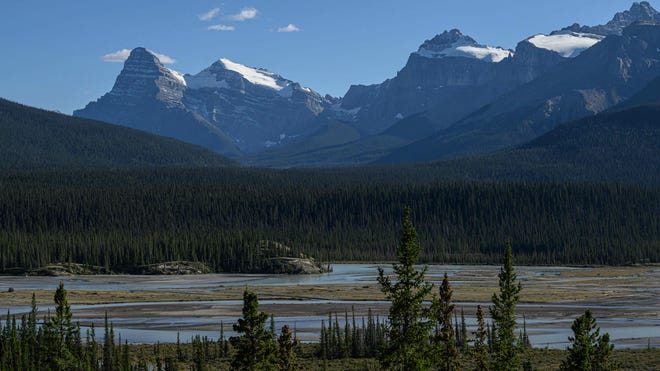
(619, 146)
(31, 137)
(448, 77)
(255, 107)
(339, 144)
(600, 77)
(149, 96)
(649, 95)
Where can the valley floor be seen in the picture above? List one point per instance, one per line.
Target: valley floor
(149, 309)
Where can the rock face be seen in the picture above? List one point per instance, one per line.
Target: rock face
(257, 108)
(638, 12)
(277, 258)
(228, 107)
(144, 76)
(149, 97)
(600, 77)
(448, 77)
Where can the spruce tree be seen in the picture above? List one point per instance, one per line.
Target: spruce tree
(255, 348)
(287, 345)
(62, 334)
(408, 327)
(480, 350)
(108, 344)
(464, 337)
(590, 351)
(504, 316)
(445, 339)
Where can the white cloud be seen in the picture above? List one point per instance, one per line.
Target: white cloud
(209, 15)
(164, 59)
(246, 13)
(118, 56)
(123, 54)
(220, 27)
(290, 28)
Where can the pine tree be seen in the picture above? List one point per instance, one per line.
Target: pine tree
(223, 344)
(62, 334)
(464, 337)
(504, 316)
(255, 348)
(92, 349)
(286, 360)
(481, 350)
(590, 351)
(108, 344)
(445, 340)
(408, 327)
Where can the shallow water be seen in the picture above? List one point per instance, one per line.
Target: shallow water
(547, 324)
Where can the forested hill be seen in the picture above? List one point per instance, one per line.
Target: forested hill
(613, 147)
(218, 216)
(34, 138)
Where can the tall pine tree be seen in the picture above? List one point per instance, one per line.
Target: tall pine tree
(503, 312)
(256, 347)
(408, 327)
(445, 338)
(481, 351)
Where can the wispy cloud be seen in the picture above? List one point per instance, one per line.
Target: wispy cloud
(246, 13)
(163, 58)
(289, 28)
(118, 56)
(123, 54)
(220, 27)
(209, 15)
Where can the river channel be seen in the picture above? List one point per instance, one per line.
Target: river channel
(625, 301)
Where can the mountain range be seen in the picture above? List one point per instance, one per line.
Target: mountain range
(454, 97)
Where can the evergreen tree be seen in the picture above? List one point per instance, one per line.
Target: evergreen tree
(108, 344)
(62, 334)
(408, 327)
(92, 349)
(504, 316)
(590, 351)
(481, 350)
(286, 360)
(445, 339)
(223, 344)
(464, 337)
(255, 348)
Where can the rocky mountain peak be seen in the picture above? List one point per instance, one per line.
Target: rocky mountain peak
(638, 12)
(226, 74)
(641, 11)
(454, 44)
(446, 40)
(144, 76)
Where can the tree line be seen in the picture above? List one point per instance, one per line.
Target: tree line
(123, 219)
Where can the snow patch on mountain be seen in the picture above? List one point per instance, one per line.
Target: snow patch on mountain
(206, 79)
(178, 76)
(568, 45)
(256, 76)
(468, 49)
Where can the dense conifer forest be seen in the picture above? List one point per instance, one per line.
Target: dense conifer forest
(122, 219)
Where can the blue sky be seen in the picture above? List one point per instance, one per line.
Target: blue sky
(51, 52)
